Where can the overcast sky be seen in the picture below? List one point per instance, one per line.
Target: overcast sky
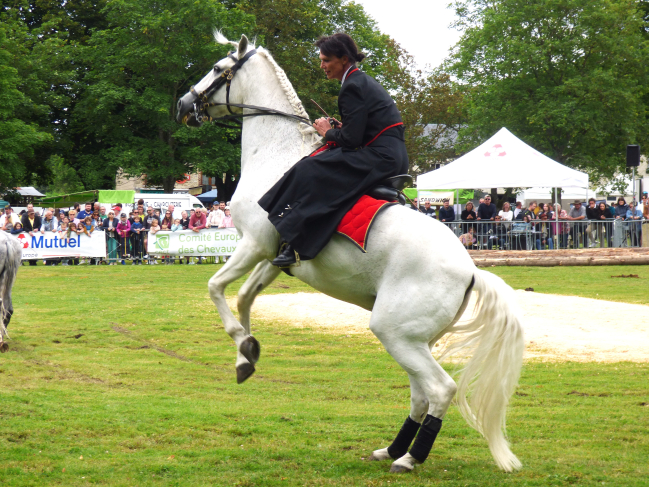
(420, 26)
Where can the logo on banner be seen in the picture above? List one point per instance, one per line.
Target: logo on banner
(497, 151)
(162, 242)
(24, 241)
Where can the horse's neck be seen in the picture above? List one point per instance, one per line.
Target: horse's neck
(270, 145)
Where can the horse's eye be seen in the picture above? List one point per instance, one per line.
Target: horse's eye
(216, 68)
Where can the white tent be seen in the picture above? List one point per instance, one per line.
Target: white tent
(503, 161)
(567, 194)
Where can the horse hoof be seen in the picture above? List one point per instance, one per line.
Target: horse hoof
(3, 347)
(250, 349)
(399, 469)
(244, 371)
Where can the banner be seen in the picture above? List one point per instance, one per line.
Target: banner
(207, 242)
(436, 196)
(49, 245)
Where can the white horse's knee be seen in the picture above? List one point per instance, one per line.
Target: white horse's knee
(215, 287)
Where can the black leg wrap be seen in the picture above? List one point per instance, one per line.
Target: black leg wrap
(426, 437)
(407, 433)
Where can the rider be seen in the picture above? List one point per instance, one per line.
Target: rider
(309, 201)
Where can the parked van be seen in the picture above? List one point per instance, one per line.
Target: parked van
(181, 202)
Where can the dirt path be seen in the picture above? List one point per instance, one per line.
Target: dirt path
(556, 327)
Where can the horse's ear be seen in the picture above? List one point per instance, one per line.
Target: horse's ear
(243, 46)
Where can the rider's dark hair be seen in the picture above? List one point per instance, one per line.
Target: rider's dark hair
(340, 45)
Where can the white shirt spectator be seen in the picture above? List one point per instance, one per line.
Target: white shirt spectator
(215, 218)
(506, 215)
(12, 219)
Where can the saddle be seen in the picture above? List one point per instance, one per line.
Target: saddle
(390, 189)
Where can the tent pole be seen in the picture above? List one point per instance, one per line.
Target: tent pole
(556, 218)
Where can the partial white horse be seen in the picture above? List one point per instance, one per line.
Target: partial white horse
(416, 277)
(10, 254)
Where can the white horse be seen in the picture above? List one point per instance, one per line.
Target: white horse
(10, 255)
(416, 277)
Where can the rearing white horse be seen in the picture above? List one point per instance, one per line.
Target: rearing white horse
(394, 279)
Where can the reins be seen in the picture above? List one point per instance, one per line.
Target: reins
(202, 104)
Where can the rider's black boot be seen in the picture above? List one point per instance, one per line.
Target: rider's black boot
(286, 258)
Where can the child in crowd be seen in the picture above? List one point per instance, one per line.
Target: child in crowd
(123, 230)
(467, 239)
(18, 227)
(226, 222)
(176, 226)
(155, 228)
(136, 240)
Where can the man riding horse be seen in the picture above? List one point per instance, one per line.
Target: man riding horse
(309, 201)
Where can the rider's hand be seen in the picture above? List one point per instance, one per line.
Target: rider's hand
(322, 126)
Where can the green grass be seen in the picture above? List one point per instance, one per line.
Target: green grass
(147, 396)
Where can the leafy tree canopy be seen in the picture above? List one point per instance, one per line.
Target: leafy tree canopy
(567, 76)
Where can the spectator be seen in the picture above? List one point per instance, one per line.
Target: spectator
(73, 216)
(31, 223)
(86, 225)
(529, 211)
(560, 229)
(8, 219)
(148, 219)
(96, 219)
(634, 216)
(519, 208)
(184, 221)
(506, 214)
(86, 212)
(428, 210)
(158, 215)
(109, 226)
(176, 226)
(123, 230)
(155, 227)
(215, 217)
(227, 219)
(197, 221)
(171, 209)
(76, 207)
(446, 212)
(501, 232)
(415, 205)
(645, 208)
(168, 220)
(468, 215)
(18, 228)
(487, 212)
(578, 231)
(467, 239)
(542, 232)
(643, 202)
(621, 209)
(604, 213)
(102, 213)
(591, 215)
(137, 238)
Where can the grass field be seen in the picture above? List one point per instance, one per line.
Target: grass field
(124, 376)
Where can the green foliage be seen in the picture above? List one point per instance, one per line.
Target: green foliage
(567, 76)
(146, 396)
(65, 179)
(19, 137)
(140, 65)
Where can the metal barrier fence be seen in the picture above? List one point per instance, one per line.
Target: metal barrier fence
(549, 234)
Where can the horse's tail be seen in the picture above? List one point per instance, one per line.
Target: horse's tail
(488, 379)
(13, 254)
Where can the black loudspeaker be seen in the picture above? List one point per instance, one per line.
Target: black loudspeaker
(632, 155)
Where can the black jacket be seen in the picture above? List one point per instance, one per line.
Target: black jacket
(27, 226)
(592, 213)
(309, 201)
(487, 212)
(446, 215)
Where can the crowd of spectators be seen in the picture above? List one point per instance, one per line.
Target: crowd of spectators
(544, 226)
(126, 234)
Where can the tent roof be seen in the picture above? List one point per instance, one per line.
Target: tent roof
(209, 196)
(503, 161)
(29, 191)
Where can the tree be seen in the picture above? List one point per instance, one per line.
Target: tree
(147, 57)
(567, 76)
(18, 138)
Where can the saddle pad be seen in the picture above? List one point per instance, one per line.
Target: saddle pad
(357, 222)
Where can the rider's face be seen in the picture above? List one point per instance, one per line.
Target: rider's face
(333, 66)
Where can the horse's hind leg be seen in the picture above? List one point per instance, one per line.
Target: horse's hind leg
(241, 262)
(263, 274)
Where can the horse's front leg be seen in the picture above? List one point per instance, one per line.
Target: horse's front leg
(244, 258)
(261, 277)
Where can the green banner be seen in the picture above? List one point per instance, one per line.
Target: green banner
(465, 194)
(125, 196)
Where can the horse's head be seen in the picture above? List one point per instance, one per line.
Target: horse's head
(212, 93)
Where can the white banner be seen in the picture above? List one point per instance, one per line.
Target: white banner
(54, 244)
(436, 197)
(207, 242)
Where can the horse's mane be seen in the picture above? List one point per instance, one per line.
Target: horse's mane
(286, 85)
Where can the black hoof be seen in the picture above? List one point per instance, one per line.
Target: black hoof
(3, 347)
(250, 349)
(244, 371)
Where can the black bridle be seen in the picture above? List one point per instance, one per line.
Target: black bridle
(202, 104)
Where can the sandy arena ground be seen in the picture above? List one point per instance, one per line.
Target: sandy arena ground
(556, 327)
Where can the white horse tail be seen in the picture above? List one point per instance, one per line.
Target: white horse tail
(487, 381)
(13, 254)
